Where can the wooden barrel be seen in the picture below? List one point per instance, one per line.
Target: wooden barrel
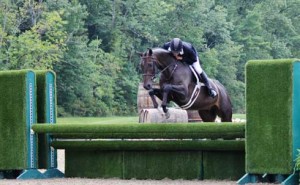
(193, 116)
(158, 116)
(143, 99)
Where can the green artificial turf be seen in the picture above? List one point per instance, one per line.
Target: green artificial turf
(155, 164)
(269, 100)
(104, 153)
(41, 96)
(14, 145)
(153, 145)
(93, 164)
(133, 164)
(46, 111)
(132, 130)
(152, 159)
(162, 164)
(228, 164)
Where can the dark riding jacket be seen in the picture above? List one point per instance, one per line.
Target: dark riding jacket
(189, 54)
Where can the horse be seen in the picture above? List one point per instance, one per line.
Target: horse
(178, 83)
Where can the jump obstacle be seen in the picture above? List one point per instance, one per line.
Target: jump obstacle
(156, 151)
(20, 155)
(139, 151)
(273, 121)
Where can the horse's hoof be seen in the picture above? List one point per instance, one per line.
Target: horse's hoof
(167, 114)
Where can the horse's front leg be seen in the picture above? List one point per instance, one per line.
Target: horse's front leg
(152, 93)
(166, 90)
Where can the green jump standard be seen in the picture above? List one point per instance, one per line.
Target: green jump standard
(273, 120)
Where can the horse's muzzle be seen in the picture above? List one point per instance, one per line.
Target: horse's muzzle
(147, 86)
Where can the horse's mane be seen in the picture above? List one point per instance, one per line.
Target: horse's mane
(163, 54)
(160, 51)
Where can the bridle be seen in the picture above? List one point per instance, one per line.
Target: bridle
(154, 62)
(153, 67)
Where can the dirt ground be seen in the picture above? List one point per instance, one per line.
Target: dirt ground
(75, 181)
(82, 181)
(78, 181)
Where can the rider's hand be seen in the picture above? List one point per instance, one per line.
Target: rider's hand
(178, 57)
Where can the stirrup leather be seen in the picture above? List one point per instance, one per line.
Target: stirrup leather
(195, 93)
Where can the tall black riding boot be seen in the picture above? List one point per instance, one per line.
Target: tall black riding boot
(212, 93)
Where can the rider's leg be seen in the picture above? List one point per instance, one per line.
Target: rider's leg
(203, 76)
(197, 67)
(211, 91)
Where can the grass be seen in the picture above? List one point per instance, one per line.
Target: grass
(109, 120)
(115, 119)
(240, 116)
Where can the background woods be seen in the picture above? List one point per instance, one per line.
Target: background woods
(91, 44)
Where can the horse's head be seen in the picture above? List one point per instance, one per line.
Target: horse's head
(148, 68)
(152, 60)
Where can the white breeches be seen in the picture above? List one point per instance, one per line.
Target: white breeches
(197, 67)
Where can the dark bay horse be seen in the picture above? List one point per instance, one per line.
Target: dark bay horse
(177, 83)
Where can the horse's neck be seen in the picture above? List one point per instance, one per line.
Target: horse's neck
(164, 58)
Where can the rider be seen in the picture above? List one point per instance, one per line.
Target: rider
(185, 52)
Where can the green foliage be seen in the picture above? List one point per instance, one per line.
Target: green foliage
(37, 46)
(29, 51)
(91, 44)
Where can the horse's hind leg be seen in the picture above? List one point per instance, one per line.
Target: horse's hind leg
(208, 115)
(225, 115)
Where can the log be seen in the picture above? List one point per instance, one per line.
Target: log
(143, 99)
(193, 116)
(158, 116)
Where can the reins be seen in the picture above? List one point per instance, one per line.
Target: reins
(164, 69)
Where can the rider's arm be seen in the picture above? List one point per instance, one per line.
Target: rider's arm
(190, 52)
(166, 46)
(194, 54)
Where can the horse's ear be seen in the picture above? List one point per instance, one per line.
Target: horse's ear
(150, 51)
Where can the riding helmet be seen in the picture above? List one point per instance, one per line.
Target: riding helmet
(176, 45)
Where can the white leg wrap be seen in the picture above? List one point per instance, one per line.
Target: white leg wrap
(197, 67)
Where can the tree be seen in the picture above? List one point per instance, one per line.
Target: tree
(91, 44)
(8, 29)
(251, 35)
(26, 48)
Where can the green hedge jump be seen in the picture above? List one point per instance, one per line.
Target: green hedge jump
(139, 131)
(150, 151)
(273, 120)
(154, 145)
